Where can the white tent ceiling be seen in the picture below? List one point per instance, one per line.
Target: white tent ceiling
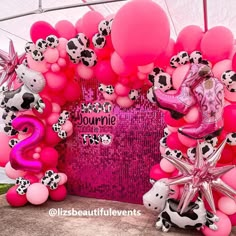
(181, 13)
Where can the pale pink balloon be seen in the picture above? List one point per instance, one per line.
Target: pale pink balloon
(170, 70)
(68, 127)
(62, 44)
(38, 149)
(61, 62)
(12, 173)
(56, 108)
(179, 75)
(188, 142)
(51, 55)
(229, 178)
(172, 129)
(110, 97)
(85, 72)
(167, 166)
(217, 44)
(65, 29)
(192, 116)
(227, 103)
(119, 66)
(220, 67)
(55, 67)
(230, 96)
(63, 53)
(53, 118)
(90, 22)
(63, 178)
(124, 102)
(189, 39)
(139, 40)
(121, 90)
(40, 66)
(37, 193)
(36, 155)
(4, 149)
(227, 205)
(146, 68)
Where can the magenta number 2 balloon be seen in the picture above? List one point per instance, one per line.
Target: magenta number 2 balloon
(17, 158)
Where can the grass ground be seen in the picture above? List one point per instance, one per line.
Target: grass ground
(4, 188)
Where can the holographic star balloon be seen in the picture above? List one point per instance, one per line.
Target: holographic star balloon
(8, 64)
(201, 177)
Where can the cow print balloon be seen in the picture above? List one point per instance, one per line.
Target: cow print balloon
(41, 45)
(154, 73)
(102, 87)
(196, 57)
(174, 61)
(74, 49)
(104, 28)
(229, 80)
(163, 82)
(133, 94)
(37, 55)
(29, 47)
(52, 41)
(231, 139)
(83, 40)
(99, 41)
(183, 57)
(150, 95)
(110, 89)
(89, 57)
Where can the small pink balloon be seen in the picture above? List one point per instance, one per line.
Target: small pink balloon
(121, 90)
(146, 68)
(85, 72)
(65, 29)
(55, 67)
(90, 22)
(61, 62)
(63, 53)
(228, 178)
(51, 55)
(166, 166)
(63, 178)
(135, 38)
(62, 44)
(141, 75)
(53, 118)
(56, 81)
(192, 116)
(12, 173)
(56, 108)
(68, 127)
(40, 66)
(110, 97)
(189, 39)
(124, 102)
(119, 66)
(188, 142)
(37, 194)
(179, 75)
(217, 44)
(230, 96)
(224, 226)
(220, 67)
(38, 149)
(36, 155)
(49, 157)
(227, 205)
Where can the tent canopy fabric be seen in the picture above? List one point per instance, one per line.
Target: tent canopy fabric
(180, 13)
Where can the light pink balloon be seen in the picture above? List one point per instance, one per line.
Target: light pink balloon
(179, 75)
(217, 44)
(172, 129)
(146, 68)
(121, 90)
(40, 66)
(61, 62)
(188, 142)
(85, 72)
(56, 108)
(37, 194)
(90, 22)
(227, 205)
(55, 67)
(65, 29)
(189, 39)
(119, 66)
(167, 166)
(51, 55)
(124, 102)
(141, 75)
(12, 173)
(68, 127)
(192, 116)
(5, 149)
(139, 40)
(63, 178)
(110, 97)
(53, 118)
(220, 67)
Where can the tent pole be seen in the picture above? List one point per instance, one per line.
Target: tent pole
(205, 15)
(42, 10)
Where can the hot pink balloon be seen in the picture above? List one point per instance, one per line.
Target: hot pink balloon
(17, 158)
(217, 44)
(65, 29)
(5, 149)
(189, 39)
(41, 29)
(139, 40)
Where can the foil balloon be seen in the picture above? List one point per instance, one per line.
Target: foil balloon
(9, 62)
(195, 215)
(201, 176)
(17, 158)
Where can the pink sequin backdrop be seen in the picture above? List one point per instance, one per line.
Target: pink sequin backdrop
(119, 171)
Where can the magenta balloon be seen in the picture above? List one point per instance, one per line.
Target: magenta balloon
(65, 29)
(140, 32)
(41, 29)
(189, 39)
(217, 44)
(234, 62)
(17, 159)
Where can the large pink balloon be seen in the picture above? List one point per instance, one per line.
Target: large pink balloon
(65, 29)
(5, 149)
(17, 155)
(189, 39)
(37, 193)
(140, 32)
(217, 44)
(41, 29)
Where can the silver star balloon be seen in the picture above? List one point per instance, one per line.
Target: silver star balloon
(8, 64)
(201, 177)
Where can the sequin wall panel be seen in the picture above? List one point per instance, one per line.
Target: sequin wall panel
(110, 154)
